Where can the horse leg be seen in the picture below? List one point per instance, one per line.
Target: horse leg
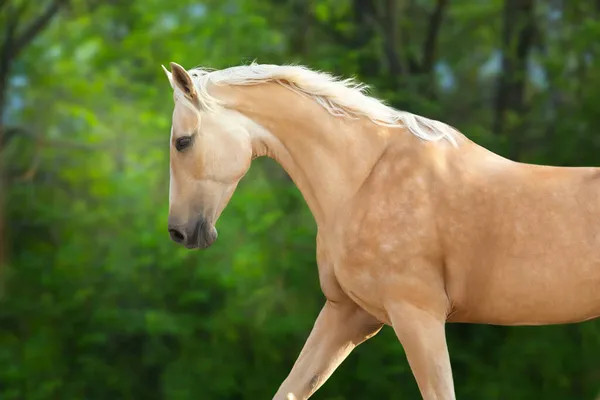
(339, 328)
(422, 334)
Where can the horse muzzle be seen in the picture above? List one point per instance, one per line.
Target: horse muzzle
(198, 234)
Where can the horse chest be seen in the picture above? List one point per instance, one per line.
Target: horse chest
(380, 256)
(341, 280)
(366, 297)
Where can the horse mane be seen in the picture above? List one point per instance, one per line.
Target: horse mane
(340, 97)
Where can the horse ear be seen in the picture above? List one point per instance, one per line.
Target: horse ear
(183, 80)
(169, 76)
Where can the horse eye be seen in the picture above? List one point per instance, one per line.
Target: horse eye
(183, 142)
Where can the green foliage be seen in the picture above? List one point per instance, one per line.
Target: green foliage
(100, 304)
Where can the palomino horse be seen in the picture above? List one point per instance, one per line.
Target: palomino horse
(417, 225)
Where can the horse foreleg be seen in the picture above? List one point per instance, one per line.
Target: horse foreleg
(339, 328)
(423, 337)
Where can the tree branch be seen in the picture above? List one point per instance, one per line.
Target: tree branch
(14, 43)
(35, 163)
(3, 3)
(36, 26)
(6, 51)
(430, 44)
(6, 57)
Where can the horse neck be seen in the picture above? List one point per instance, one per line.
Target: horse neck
(327, 157)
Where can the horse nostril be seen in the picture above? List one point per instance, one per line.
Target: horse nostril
(176, 235)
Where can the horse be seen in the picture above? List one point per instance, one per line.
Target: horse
(417, 226)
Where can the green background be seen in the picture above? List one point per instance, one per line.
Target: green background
(98, 303)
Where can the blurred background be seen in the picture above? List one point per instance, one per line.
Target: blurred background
(97, 303)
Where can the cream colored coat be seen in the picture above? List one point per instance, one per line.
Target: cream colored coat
(412, 233)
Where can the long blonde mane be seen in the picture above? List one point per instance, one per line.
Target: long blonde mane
(341, 98)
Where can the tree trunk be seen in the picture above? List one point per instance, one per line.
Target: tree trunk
(4, 73)
(2, 218)
(17, 36)
(517, 39)
(364, 14)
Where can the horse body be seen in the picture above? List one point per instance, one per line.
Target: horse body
(514, 244)
(521, 242)
(412, 232)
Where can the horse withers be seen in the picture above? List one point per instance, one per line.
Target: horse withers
(417, 225)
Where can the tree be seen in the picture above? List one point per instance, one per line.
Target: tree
(100, 304)
(518, 31)
(22, 24)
